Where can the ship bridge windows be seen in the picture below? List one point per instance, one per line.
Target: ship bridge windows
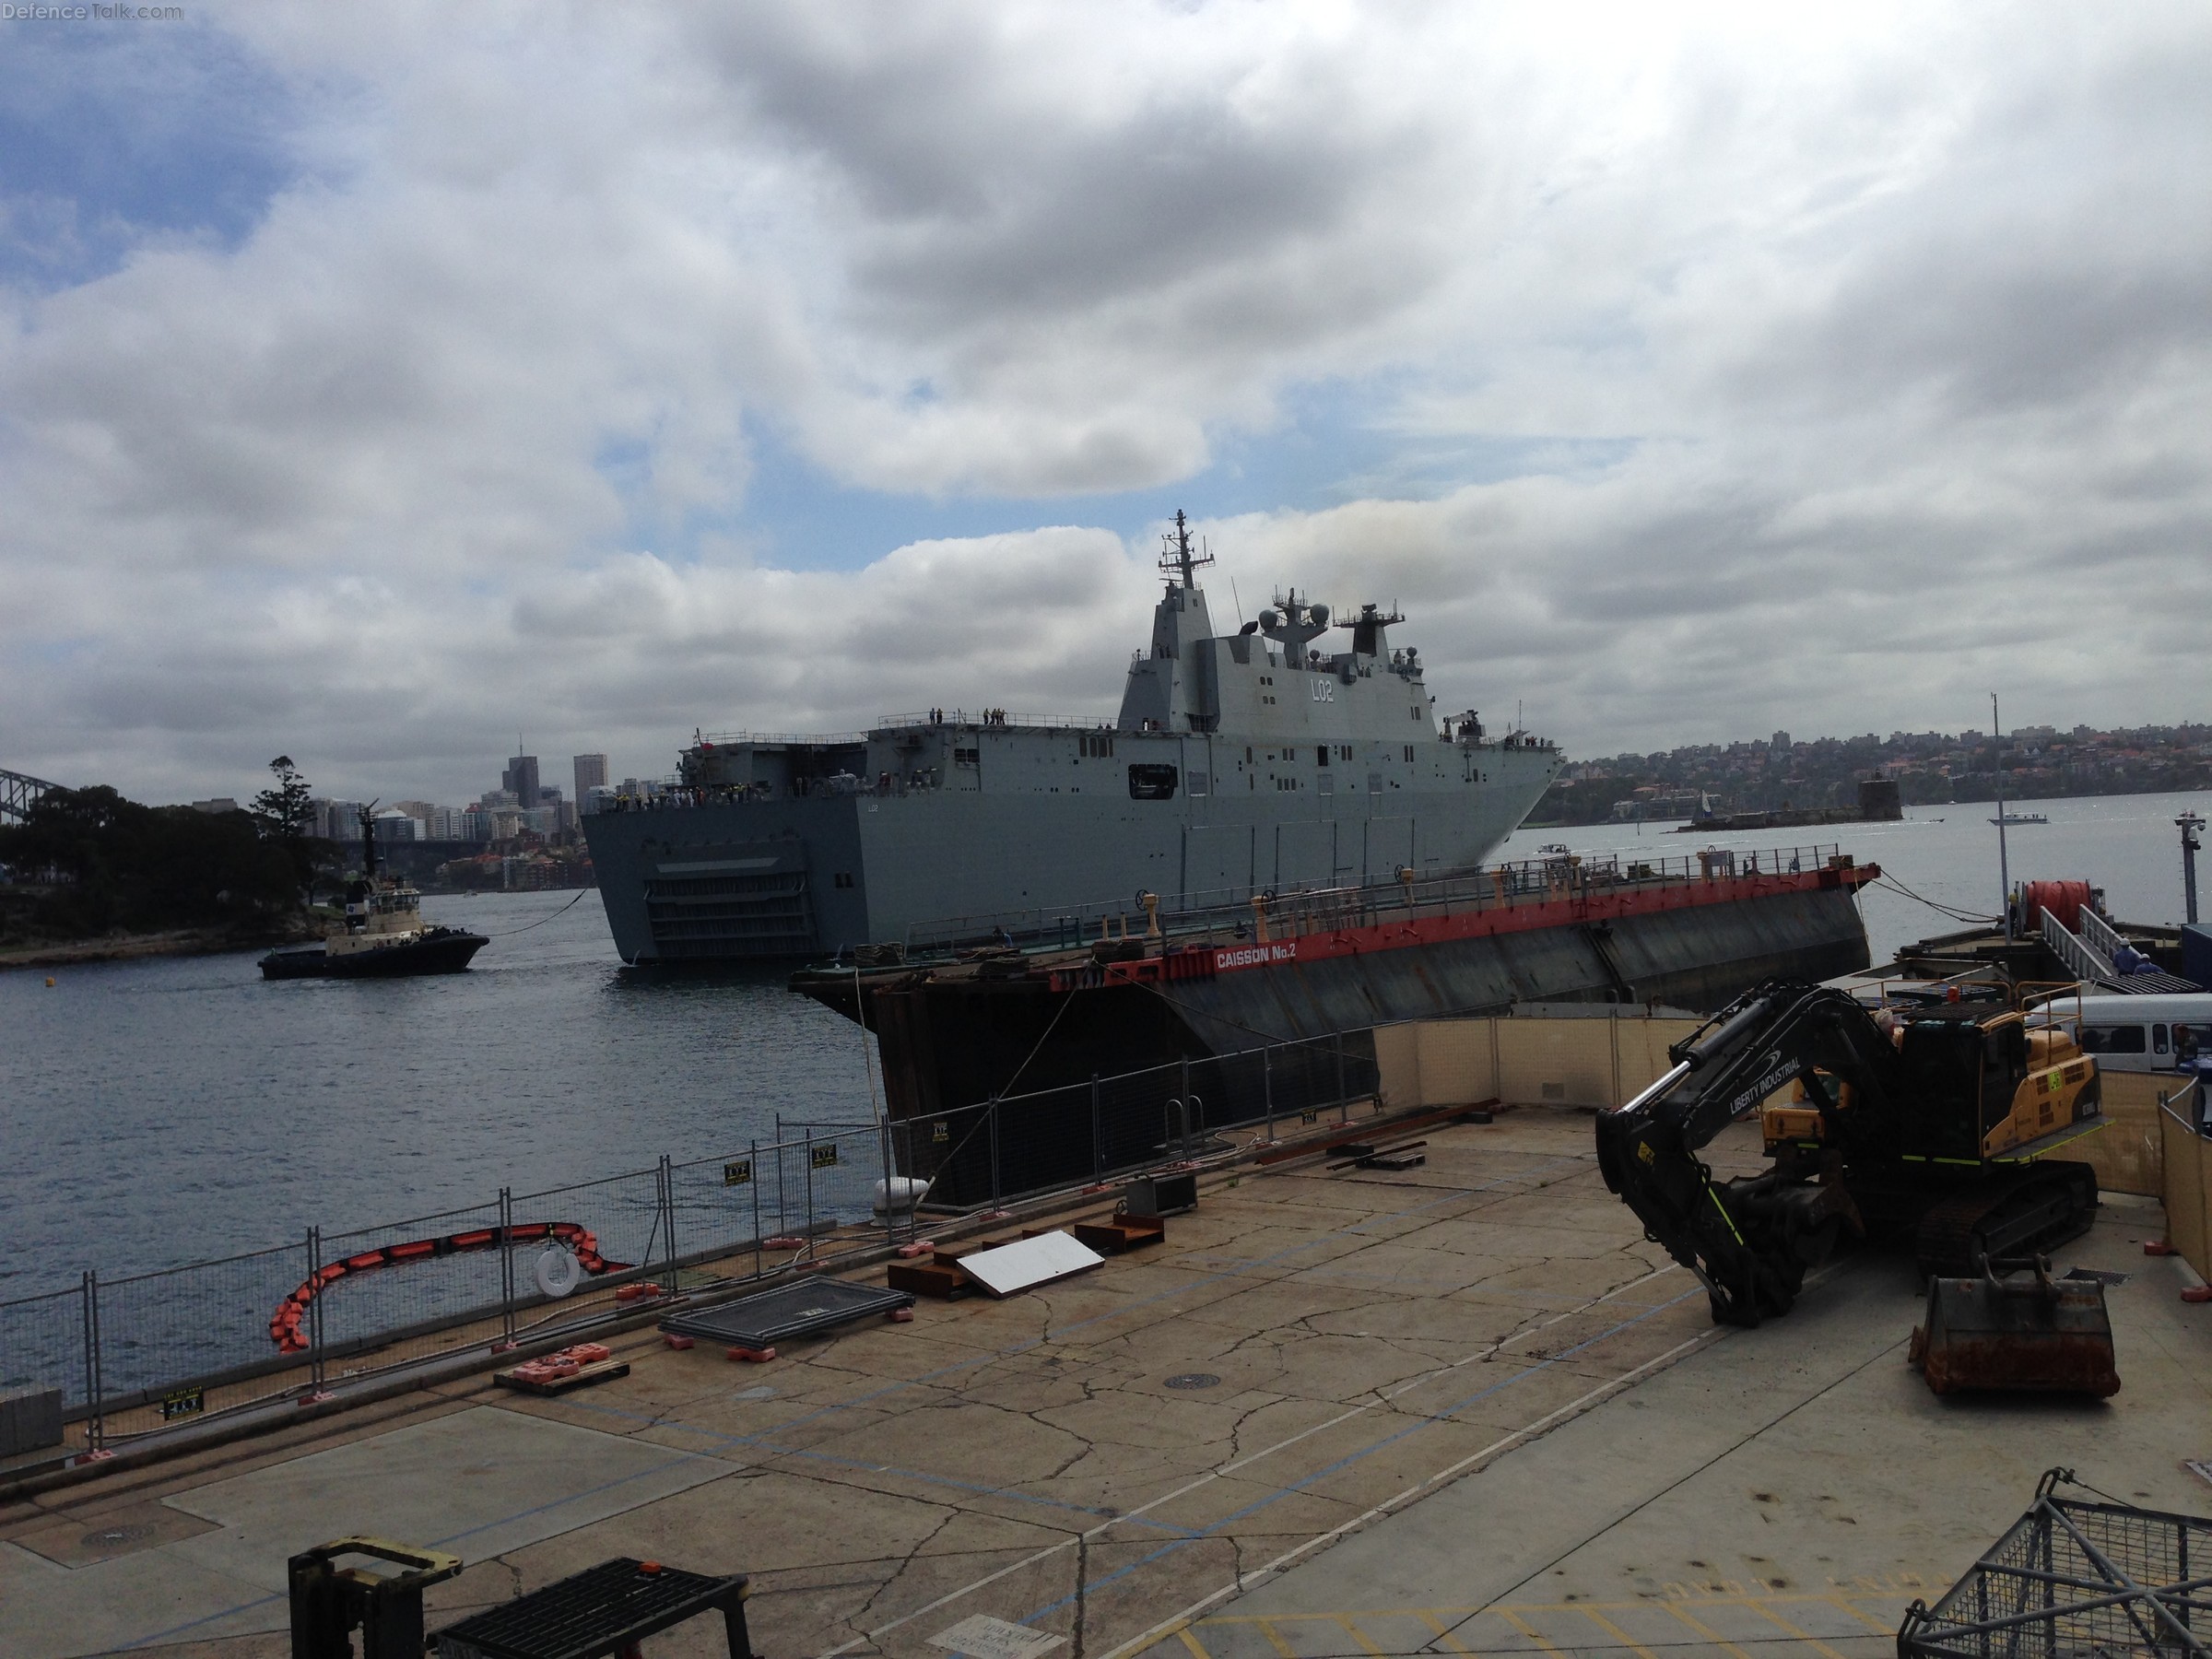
(1100, 747)
(1151, 780)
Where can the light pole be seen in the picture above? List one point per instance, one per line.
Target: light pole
(2192, 828)
(1996, 763)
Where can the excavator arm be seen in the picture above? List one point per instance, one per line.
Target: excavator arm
(1749, 1239)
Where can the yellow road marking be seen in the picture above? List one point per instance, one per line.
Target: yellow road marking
(1614, 1630)
(1845, 1603)
(1274, 1638)
(1709, 1633)
(1760, 1607)
(1192, 1642)
(1443, 1632)
(1523, 1626)
(1358, 1635)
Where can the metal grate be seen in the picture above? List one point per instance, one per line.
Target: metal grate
(801, 1309)
(2076, 1578)
(597, 1611)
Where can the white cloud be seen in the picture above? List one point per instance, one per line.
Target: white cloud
(1889, 326)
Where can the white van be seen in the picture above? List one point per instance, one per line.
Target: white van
(2162, 1034)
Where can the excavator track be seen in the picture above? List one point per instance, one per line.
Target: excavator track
(2011, 1212)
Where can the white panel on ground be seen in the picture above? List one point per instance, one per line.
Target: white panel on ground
(983, 1637)
(1037, 1261)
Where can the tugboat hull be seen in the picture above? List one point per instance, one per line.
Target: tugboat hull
(447, 951)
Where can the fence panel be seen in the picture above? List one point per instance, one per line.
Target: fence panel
(627, 1219)
(843, 1162)
(400, 1289)
(202, 1328)
(43, 1343)
(716, 1203)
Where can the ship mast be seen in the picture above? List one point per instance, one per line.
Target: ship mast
(1175, 555)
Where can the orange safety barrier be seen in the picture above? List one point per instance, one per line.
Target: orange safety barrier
(283, 1324)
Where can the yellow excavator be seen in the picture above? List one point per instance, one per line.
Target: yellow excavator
(1935, 1122)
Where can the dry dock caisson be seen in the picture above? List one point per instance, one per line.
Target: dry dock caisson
(1216, 987)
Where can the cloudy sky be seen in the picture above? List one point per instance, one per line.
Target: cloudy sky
(378, 381)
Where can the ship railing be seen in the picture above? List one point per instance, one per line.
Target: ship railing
(829, 739)
(999, 718)
(2100, 935)
(1229, 915)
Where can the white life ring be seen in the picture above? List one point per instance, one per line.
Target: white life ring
(557, 1271)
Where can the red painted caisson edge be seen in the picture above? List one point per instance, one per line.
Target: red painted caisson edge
(1630, 900)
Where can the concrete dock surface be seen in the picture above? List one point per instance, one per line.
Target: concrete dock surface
(1461, 1408)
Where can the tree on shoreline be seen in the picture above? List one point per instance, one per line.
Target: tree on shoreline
(284, 813)
(117, 863)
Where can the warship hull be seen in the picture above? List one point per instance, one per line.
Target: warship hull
(803, 879)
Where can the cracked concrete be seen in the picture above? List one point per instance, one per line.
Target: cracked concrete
(1370, 1336)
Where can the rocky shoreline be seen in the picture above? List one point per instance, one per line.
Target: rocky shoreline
(174, 942)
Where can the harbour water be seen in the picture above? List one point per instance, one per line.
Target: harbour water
(164, 1111)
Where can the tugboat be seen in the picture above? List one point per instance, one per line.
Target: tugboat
(382, 936)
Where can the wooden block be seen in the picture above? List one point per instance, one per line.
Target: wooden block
(940, 1278)
(1121, 1234)
(605, 1370)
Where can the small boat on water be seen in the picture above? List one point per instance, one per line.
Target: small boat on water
(2010, 819)
(382, 935)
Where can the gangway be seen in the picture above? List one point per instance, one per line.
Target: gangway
(2083, 961)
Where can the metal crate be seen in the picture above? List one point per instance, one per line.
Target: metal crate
(2074, 1578)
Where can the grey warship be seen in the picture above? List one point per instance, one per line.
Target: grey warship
(1239, 764)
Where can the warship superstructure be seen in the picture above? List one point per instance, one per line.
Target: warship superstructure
(1240, 764)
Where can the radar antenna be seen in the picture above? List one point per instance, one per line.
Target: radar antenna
(1175, 555)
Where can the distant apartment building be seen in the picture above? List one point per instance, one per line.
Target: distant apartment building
(334, 820)
(393, 825)
(452, 823)
(591, 773)
(217, 803)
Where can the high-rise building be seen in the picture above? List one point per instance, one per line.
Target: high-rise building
(519, 779)
(591, 773)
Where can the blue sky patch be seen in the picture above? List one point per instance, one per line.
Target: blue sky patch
(1333, 445)
(112, 132)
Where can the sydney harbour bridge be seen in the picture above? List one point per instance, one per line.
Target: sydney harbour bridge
(16, 793)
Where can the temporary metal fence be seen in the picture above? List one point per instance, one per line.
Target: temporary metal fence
(1088, 1132)
(288, 1323)
(130, 1355)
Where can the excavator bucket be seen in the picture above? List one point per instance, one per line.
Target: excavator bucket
(2017, 1331)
